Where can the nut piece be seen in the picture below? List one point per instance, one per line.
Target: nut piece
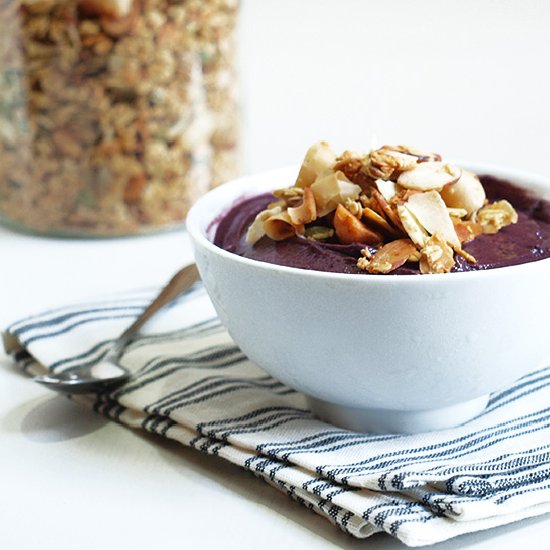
(467, 193)
(386, 188)
(437, 256)
(351, 230)
(421, 156)
(429, 175)
(320, 158)
(386, 209)
(495, 216)
(414, 230)
(431, 213)
(391, 256)
(374, 219)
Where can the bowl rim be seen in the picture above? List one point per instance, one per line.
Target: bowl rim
(251, 184)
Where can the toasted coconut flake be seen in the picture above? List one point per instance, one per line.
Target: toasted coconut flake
(351, 230)
(256, 229)
(467, 193)
(493, 217)
(333, 189)
(427, 176)
(437, 256)
(431, 212)
(391, 256)
(320, 158)
(280, 227)
(306, 212)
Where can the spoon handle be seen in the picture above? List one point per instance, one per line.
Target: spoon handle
(178, 284)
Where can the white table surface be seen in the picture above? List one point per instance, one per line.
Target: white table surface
(66, 471)
(70, 479)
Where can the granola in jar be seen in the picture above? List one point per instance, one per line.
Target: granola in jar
(115, 115)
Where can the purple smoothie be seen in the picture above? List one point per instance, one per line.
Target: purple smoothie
(526, 241)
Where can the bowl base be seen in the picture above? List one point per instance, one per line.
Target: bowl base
(392, 421)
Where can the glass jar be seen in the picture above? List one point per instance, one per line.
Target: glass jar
(115, 115)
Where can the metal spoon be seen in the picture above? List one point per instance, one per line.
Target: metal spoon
(107, 372)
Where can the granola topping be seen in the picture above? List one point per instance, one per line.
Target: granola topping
(401, 204)
(115, 115)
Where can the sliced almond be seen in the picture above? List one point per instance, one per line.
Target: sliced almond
(467, 193)
(320, 158)
(387, 188)
(414, 230)
(331, 190)
(351, 230)
(306, 212)
(388, 211)
(429, 175)
(391, 256)
(431, 212)
(373, 218)
(421, 156)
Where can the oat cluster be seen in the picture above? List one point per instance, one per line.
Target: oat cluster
(114, 114)
(404, 205)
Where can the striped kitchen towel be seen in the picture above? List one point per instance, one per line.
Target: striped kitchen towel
(191, 383)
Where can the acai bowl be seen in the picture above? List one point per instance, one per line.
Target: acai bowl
(385, 353)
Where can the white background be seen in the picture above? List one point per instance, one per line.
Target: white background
(469, 79)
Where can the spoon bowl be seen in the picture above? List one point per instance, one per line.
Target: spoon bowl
(107, 372)
(103, 375)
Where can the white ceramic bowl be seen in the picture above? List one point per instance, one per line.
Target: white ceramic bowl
(373, 352)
